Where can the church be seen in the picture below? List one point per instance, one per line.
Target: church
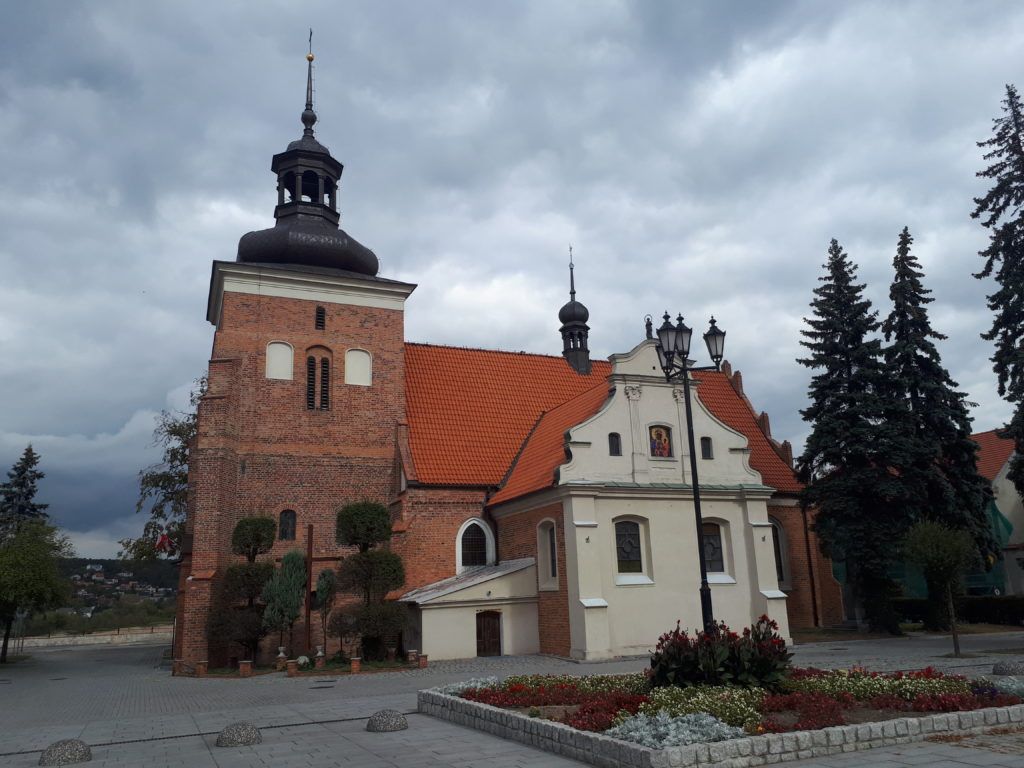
(540, 503)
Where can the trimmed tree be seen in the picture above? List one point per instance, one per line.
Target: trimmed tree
(326, 591)
(253, 536)
(1001, 212)
(943, 554)
(18, 495)
(283, 595)
(848, 457)
(237, 615)
(371, 573)
(30, 579)
(942, 477)
(163, 487)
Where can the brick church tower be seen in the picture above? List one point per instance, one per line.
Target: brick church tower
(306, 385)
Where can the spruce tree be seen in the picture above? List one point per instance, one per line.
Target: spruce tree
(848, 457)
(941, 478)
(17, 495)
(1001, 211)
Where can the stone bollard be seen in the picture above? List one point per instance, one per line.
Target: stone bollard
(201, 667)
(355, 665)
(66, 752)
(293, 668)
(423, 661)
(245, 669)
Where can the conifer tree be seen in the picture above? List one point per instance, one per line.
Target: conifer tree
(1001, 211)
(942, 480)
(283, 595)
(848, 456)
(17, 495)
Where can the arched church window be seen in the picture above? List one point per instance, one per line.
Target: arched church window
(318, 363)
(288, 186)
(279, 360)
(358, 367)
(325, 384)
(286, 526)
(474, 546)
(311, 382)
(628, 550)
(779, 545)
(714, 552)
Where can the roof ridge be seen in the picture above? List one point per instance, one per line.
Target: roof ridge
(517, 353)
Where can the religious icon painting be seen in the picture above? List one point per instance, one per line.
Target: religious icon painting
(661, 442)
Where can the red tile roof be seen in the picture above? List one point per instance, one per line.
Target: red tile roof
(735, 410)
(544, 449)
(993, 453)
(469, 409)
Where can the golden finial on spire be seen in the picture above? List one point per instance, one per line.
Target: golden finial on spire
(310, 56)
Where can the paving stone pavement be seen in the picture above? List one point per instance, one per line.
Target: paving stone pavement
(124, 703)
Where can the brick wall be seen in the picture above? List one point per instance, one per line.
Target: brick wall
(517, 537)
(259, 450)
(799, 604)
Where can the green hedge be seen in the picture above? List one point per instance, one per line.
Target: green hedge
(981, 609)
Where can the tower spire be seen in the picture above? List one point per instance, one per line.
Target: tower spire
(572, 279)
(308, 115)
(575, 331)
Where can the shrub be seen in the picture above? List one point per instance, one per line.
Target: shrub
(253, 536)
(663, 730)
(1011, 685)
(757, 658)
(363, 524)
(733, 706)
(372, 574)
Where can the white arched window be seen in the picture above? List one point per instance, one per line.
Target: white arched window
(358, 368)
(474, 545)
(547, 555)
(279, 360)
(632, 551)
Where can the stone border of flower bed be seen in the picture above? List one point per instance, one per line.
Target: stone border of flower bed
(606, 752)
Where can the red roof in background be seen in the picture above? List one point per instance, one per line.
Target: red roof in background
(470, 409)
(544, 450)
(993, 453)
(735, 410)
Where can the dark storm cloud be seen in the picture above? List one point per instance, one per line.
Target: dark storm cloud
(698, 155)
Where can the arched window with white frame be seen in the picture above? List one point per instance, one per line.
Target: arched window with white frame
(632, 551)
(358, 368)
(474, 545)
(280, 360)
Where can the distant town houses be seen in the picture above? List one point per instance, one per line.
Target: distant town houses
(95, 587)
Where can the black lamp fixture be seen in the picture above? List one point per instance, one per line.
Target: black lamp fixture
(673, 346)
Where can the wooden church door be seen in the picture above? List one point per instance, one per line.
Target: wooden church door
(488, 633)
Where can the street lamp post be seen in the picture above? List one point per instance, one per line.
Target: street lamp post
(673, 345)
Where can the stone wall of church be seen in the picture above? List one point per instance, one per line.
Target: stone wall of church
(827, 591)
(517, 537)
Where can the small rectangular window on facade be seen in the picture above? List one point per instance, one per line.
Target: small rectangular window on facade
(552, 552)
(614, 444)
(321, 318)
(714, 553)
(706, 449)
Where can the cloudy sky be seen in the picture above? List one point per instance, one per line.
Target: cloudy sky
(699, 157)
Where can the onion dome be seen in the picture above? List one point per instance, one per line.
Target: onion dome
(306, 232)
(574, 330)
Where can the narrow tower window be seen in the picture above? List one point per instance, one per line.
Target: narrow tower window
(325, 384)
(321, 318)
(311, 382)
